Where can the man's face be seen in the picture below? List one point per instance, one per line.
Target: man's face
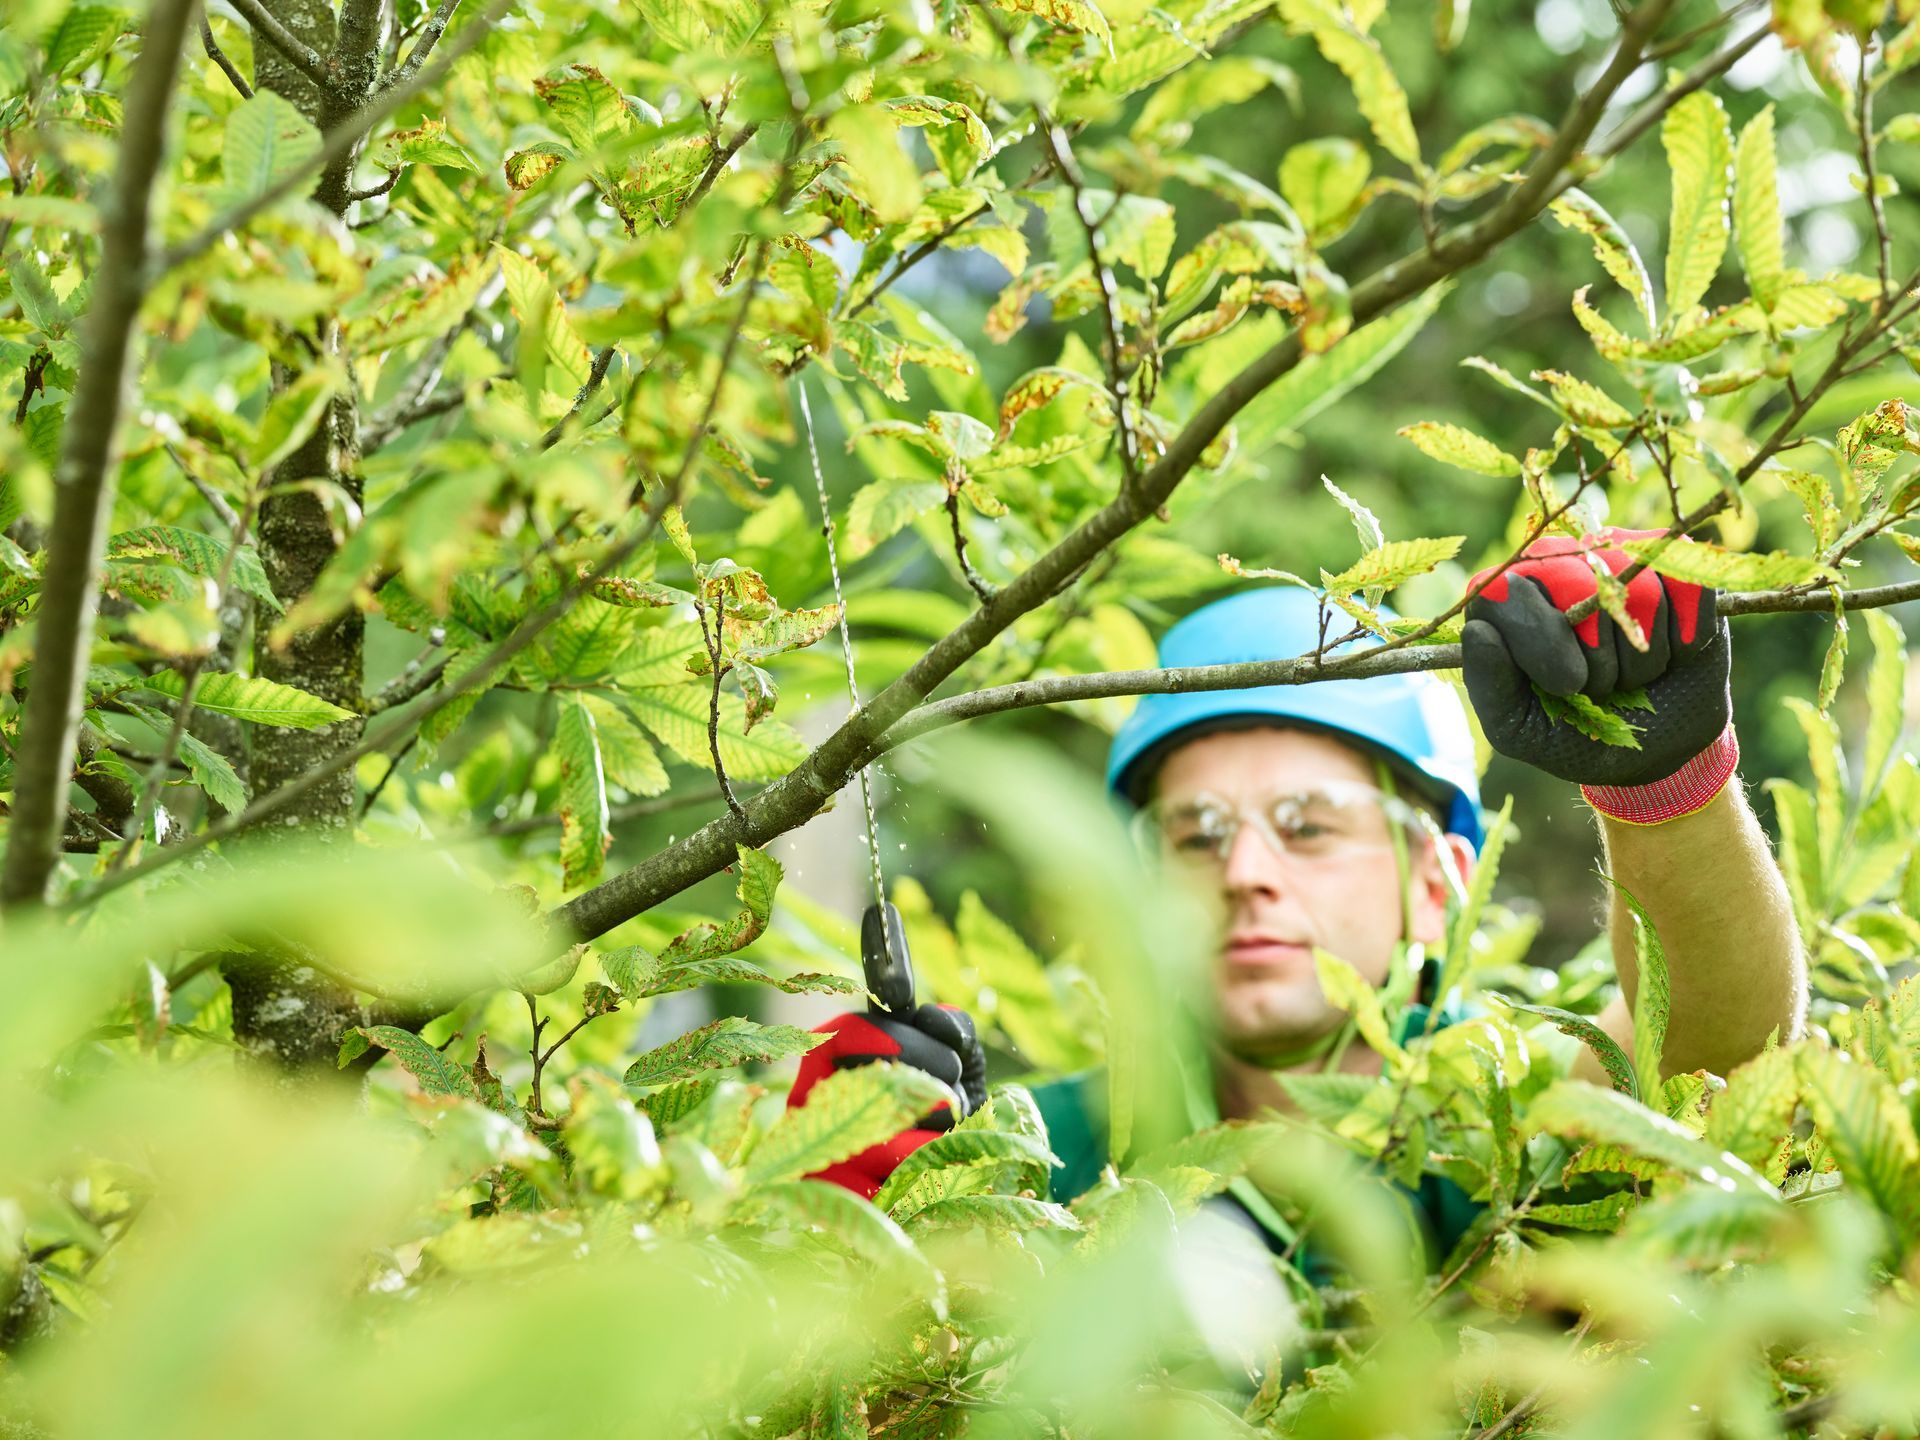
(1273, 905)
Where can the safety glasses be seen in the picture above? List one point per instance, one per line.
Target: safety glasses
(1317, 825)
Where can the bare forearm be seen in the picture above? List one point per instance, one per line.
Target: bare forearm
(1709, 883)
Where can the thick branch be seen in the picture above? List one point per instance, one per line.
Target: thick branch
(797, 795)
(304, 58)
(84, 489)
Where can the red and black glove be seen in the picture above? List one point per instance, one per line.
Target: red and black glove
(938, 1039)
(1516, 633)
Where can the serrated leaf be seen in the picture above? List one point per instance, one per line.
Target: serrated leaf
(197, 554)
(849, 1221)
(1749, 1117)
(1327, 1099)
(584, 832)
(844, 1113)
(1833, 666)
(1324, 180)
(1000, 1214)
(1604, 1214)
(1590, 718)
(1584, 403)
(1576, 1110)
(969, 1149)
(626, 755)
(291, 415)
(266, 140)
(244, 697)
(1578, 210)
(1319, 380)
(434, 1072)
(424, 309)
(1454, 446)
(1699, 562)
(83, 35)
(730, 1040)
(1605, 1048)
(760, 876)
(1756, 210)
(1375, 88)
(640, 975)
(1886, 698)
(1699, 146)
(1867, 1131)
(1079, 15)
(551, 356)
(1653, 996)
(886, 507)
(1346, 990)
(426, 144)
(677, 717)
(1393, 563)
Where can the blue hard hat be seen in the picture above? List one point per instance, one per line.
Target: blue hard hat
(1415, 721)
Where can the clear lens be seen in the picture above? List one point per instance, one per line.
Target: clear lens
(1324, 823)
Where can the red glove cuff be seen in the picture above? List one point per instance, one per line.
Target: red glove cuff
(1692, 787)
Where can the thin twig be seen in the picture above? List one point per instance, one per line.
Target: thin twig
(303, 57)
(1864, 119)
(374, 191)
(974, 579)
(216, 502)
(219, 57)
(366, 805)
(535, 1103)
(418, 678)
(602, 362)
(718, 161)
(429, 37)
(713, 645)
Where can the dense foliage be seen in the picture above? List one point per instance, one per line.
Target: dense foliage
(413, 597)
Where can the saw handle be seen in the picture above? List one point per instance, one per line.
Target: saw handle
(883, 955)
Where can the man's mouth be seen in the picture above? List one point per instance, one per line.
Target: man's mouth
(1253, 948)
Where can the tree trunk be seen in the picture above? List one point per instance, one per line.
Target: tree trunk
(284, 1012)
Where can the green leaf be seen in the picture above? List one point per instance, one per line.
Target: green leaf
(197, 554)
(1319, 380)
(1653, 996)
(1756, 1109)
(1375, 88)
(1886, 698)
(435, 1073)
(1327, 1099)
(263, 702)
(551, 356)
(1578, 210)
(957, 160)
(290, 418)
(586, 108)
(1605, 1213)
(1833, 667)
(886, 507)
(996, 1214)
(1756, 211)
(677, 716)
(1604, 1047)
(1323, 180)
(1393, 564)
(730, 1040)
(427, 144)
(1700, 563)
(848, 1220)
(424, 309)
(998, 1150)
(1865, 1127)
(1699, 146)
(1346, 990)
(584, 832)
(1365, 523)
(1453, 446)
(83, 35)
(267, 139)
(760, 876)
(1591, 719)
(845, 1113)
(1584, 403)
(640, 975)
(1573, 1109)
(1466, 919)
(626, 756)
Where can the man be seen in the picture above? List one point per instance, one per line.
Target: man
(1326, 816)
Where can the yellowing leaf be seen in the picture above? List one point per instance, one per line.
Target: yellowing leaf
(1455, 446)
(1699, 146)
(1578, 210)
(1700, 563)
(1756, 210)
(1583, 403)
(244, 697)
(1393, 563)
(730, 1040)
(584, 833)
(1375, 87)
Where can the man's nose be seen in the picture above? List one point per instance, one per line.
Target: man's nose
(1251, 867)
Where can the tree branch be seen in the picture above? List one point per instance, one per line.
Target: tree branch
(790, 800)
(1863, 120)
(429, 37)
(338, 142)
(84, 479)
(1304, 669)
(304, 58)
(602, 362)
(219, 57)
